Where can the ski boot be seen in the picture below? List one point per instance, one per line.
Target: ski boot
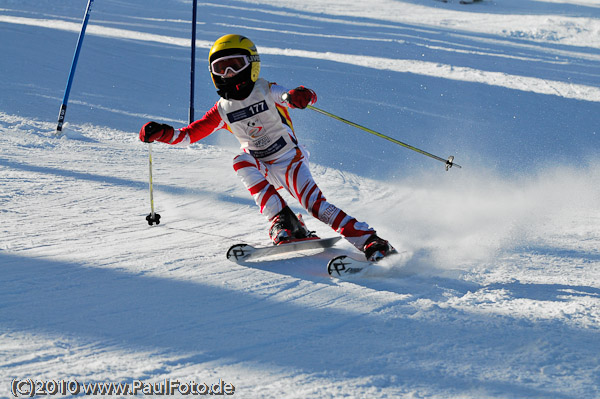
(377, 248)
(287, 227)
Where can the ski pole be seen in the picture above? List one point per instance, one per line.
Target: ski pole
(152, 217)
(448, 162)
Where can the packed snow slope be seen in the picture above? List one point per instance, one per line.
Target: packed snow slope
(497, 294)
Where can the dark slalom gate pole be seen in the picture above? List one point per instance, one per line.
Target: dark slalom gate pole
(63, 107)
(193, 62)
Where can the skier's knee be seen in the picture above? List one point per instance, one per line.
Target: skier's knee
(244, 161)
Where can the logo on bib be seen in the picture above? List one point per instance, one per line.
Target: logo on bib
(253, 130)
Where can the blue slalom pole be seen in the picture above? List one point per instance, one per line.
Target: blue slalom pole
(63, 107)
(193, 62)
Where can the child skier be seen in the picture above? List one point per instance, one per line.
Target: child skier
(256, 112)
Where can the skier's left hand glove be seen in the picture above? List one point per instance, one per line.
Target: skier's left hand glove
(153, 131)
(300, 97)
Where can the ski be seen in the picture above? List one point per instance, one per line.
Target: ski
(344, 266)
(243, 252)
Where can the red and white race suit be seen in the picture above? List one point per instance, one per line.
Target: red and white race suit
(271, 158)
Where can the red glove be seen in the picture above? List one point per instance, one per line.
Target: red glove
(300, 97)
(153, 131)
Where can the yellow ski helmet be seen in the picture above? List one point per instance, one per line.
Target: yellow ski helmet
(234, 66)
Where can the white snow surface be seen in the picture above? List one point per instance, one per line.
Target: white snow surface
(497, 294)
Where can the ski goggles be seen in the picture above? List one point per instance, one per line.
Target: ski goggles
(234, 63)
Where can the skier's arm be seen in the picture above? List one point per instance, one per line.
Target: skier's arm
(208, 124)
(277, 93)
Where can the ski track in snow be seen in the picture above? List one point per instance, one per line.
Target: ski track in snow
(498, 295)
